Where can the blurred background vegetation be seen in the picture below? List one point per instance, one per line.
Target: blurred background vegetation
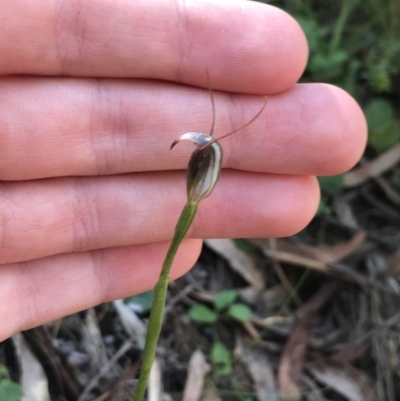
(356, 45)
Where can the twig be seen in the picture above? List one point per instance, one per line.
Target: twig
(95, 381)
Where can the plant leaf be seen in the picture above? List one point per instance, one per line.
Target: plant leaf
(323, 207)
(221, 357)
(331, 185)
(244, 244)
(141, 303)
(10, 391)
(224, 298)
(379, 114)
(239, 312)
(312, 31)
(385, 138)
(201, 313)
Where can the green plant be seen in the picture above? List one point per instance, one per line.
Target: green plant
(221, 359)
(244, 245)
(202, 175)
(329, 186)
(224, 307)
(9, 390)
(384, 130)
(350, 41)
(141, 303)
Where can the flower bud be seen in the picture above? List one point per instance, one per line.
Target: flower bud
(204, 165)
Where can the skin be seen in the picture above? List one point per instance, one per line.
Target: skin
(92, 95)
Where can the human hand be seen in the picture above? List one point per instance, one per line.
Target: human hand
(90, 192)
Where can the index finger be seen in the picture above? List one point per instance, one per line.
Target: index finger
(246, 46)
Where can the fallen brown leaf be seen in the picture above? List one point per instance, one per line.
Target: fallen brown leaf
(239, 261)
(344, 379)
(351, 352)
(292, 359)
(292, 258)
(326, 254)
(393, 265)
(195, 380)
(373, 168)
(33, 378)
(390, 192)
(210, 392)
(261, 372)
(317, 258)
(345, 212)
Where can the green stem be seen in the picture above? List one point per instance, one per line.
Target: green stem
(160, 294)
(347, 6)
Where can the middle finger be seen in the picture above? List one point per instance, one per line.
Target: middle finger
(51, 216)
(51, 127)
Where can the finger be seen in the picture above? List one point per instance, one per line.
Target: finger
(87, 127)
(36, 292)
(46, 217)
(246, 46)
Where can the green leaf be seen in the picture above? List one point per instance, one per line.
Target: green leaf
(330, 66)
(323, 208)
(141, 302)
(239, 312)
(331, 185)
(384, 139)
(3, 372)
(224, 298)
(378, 77)
(379, 114)
(311, 30)
(244, 244)
(221, 357)
(201, 313)
(10, 391)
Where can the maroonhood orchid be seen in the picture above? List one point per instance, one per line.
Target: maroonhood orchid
(202, 175)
